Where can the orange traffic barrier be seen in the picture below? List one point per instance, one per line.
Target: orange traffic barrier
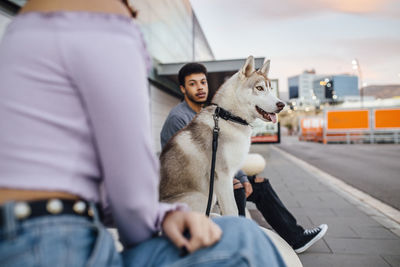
(387, 118)
(311, 129)
(353, 125)
(347, 119)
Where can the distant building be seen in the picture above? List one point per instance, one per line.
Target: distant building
(293, 83)
(336, 87)
(301, 87)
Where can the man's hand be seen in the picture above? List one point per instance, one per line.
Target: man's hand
(203, 231)
(237, 184)
(248, 188)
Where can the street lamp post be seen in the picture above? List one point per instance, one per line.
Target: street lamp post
(356, 66)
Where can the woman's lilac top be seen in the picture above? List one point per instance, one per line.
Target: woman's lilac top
(74, 114)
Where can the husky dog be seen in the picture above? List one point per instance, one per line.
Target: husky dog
(186, 158)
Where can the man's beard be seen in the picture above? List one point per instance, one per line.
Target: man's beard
(195, 101)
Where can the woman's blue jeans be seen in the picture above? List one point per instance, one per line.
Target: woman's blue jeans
(69, 240)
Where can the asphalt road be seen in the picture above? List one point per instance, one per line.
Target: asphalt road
(371, 168)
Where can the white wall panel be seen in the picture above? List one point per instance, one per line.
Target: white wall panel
(161, 104)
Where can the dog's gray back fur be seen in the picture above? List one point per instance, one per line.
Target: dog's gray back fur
(175, 174)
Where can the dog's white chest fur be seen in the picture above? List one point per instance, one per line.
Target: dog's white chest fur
(237, 144)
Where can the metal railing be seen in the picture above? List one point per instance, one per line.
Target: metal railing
(371, 137)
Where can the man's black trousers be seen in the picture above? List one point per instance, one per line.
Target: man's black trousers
(272, 208)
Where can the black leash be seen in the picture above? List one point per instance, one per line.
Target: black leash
(214, 154)
(226, 115)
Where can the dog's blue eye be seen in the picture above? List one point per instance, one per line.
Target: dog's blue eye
(259, 88)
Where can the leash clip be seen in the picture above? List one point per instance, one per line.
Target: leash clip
(216, 128)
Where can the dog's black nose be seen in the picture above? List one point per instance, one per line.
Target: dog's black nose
(280, 105)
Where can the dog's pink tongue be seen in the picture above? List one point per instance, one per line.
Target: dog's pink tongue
(272, 117)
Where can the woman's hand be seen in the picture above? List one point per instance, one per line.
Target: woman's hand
(203, 231)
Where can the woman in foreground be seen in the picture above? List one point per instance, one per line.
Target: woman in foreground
(75, 141)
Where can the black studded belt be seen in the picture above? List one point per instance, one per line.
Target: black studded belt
(24, 210)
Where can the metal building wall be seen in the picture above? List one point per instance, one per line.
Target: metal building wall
(172, 34)
(172, 31)
(346, 85)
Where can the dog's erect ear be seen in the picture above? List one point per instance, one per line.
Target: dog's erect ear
(265, 68)
(248, 67)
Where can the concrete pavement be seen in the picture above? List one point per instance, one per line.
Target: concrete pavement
(372, 168)
(358, 234)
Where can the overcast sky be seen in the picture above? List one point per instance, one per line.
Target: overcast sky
(296, 35)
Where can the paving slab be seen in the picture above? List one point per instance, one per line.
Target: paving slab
(341, 231)
(348, 212)
(341, 260)
(394, 261)
(363, 246)
(349, 221)
(368, 232)
(317, 211)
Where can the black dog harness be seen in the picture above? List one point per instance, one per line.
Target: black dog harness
(226, 115)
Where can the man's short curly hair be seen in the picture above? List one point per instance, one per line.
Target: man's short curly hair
(189, 69)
